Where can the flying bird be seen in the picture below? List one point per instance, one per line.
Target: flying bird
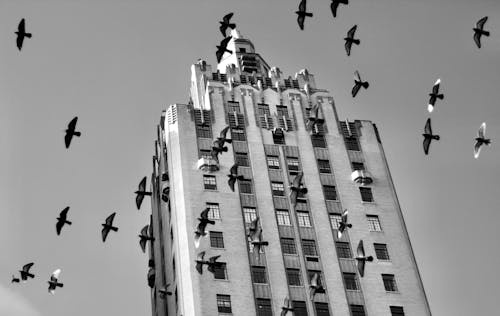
(253, 227)
(202, 225)
(70, 132)
(233, 176)
(14, 280)
(481, 140)
(21, 34)
(200, 262)
(428, 136)
(358, 83)
(479, 31)
(315, 286)
(225, 23)
(287, 307)
(163, 291)
(349, 40)
(301, 14)
(141, 193)
(343, 225)
(335, 4)
(165, 194)
(297, 188)
(61, 220)
(222, 137)
(361, 258)
(108, 226)
(25, 272)
(314, 118)
(213, 264)
(144, 237)
(257, 240)
(222, 48)
(53, 282)
(434, 96)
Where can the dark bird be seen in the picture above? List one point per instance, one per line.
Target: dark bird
(61, 220)
(225, 23)
(163, 291)
(479, 31)
(349, 40)
(434, 96)
(165, 194)
(200, 262)
(343, 224)
(218, 146)
(144, 237)
(14, 280)
(358, 83)
(70, 132)
(222, 48)
(297, 188)
(428, 136)
(25, 272)
(53, 282)
(202, 225)
(257, 240)
(335, 4)
(233, 176)
(315, 286)
(21, 34)
(301, 14)
(213, 264)
(314, 119)
(141, 193)
(361, 258)
(287, 307)
(481, 140)
(108, 226)
(253, 227)
(222, 137)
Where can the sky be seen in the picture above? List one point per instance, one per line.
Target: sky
(116, 64)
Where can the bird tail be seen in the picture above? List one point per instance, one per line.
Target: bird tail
(436, 137)
(485, 33)
(30, 275)
(349, 225)
(28, 35)
(229, 141)
(365, 85)
(487, 142)
(77, 134)
(440, 96)
(308, 14)
(59, 284)
(68, 222)
(356, 41)
(369, 258)
(115, 229)
(211, 222)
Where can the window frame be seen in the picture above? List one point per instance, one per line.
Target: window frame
(330, 192)
(374, 223)
(274, 160)
(278, 188)
(366, 195)
(283, 217)
(309, 248)
(242, 159)
(335, 220)
(224, 303)
(288, 245)
(259, 275)
(303, 219)
(214, 212)
(389, 281)
(216, 239)
(245, 186)
(381, 249)
(207, 182)
(293, 277)
(222, 267)
(343, 250)
(324, 166)
(351, 281)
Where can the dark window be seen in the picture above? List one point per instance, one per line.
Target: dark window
(288, 246)
(299, 308)
(243, 50)
(295, 84)
(303, 219)
(311, 273)
(241, 159)
(321, 309)
(238, 134)
(309, 247)
(214, 212)
(374, 223)
(389, 282)
(282, 111)
(278, 188)
(223, 77)
(292, 164)
(318, 141)
(324, 166)
(351, 143)
(343, 250)
(224, 303)
(220, 272)
(259, 274)
(263, 109)
(357, 165)
(349, 130)
(205, 153)
(293, 276)
(301, 204)
(366, 194)
(351, 282)
(279, 138)
(381, 251)
(288, 83)
(273, 162)
(209, 182)
(202, 117)
(330, 192)
(264, 307)
(243, 79)
(268, 81)
(216, 240)
(245, 186)
(397, 311)
(283, 217)
(285, 123)
(203, 131)
(233, 106)
(357, 310)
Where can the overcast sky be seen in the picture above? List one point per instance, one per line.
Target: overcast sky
(116, 64)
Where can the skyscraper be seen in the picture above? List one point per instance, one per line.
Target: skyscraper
(286, 138)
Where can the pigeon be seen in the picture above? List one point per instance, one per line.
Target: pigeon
(315, 286)
(108, 226)
(349, 40)
(361, 258)
(343, 225)
(428, 136)
(21, 34)
(53, 283)
(222, 137)
(165, 194)
(14, 280)
(225, 23)
(287, 307)
(256, 240)
(301, 14)
(252, 227)
(61, 220)
(297, 188)
(200, 230)
(480, 140)
(233, 176)
(335, 4)
(25, 272)
(200, 262)
(434, 96)
(144, 237)
(141, 192)
(358, 83)
(163, 291)
(213, 264)
(222, 48)
(478, 31)
(314, 119)
(218, 146)
(70, 132)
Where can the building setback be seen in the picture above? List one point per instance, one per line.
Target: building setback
(280, 127)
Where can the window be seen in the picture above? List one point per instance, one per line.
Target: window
(366, 194)
(273, 162)
(263, 109)
(283, 217)
(243, 79)
(357, 310)
(303, 219)
(330, 192)
(324, 166)
(245, 186)
(259, 274)
(397, 311)
(238, 134)
(301, 204)
(233, 106)
(205, 153)
(278, 188)
(282, 110)
(278, 138)
(203, 131)
(311, 274)
(321, 309)
(264, 307)
(214, 212)
(209, 182)
(299, 308)
(288, 246)
(265, 119)
(241, 159)
(293, 276)
(374, 223)
(295, 84)
(357, 165)
(220, 272)
(292, 164)
(309, 247)
(335, 220)
(389, 282)
(216, 240)
(351, 143)
(250, 247)
(381, 251)
(343, 250)
(351, 282)
(243, 50)
(224, 303)
(250, 214)
(318, 140)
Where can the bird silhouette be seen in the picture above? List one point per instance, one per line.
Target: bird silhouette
(21, 34)
(218, 146)
(428, 136)
(358, 83)
(165, 194)
(61, 220)
(25, 272)
(257, 241)
(233, 176)
(225, 23)
(200, 262)
(222, 137)
(163, 291)
(434, 96)
(335, 4)
(144, 236)
(349, 40)
(287, 307)
(315, 286)
(53, 282)
(314, 119)
(222, 48)
(70, 132)
(107, 226)
(301, 14)
(141, 193)
(202, 225)
(479, 31)
(343, 225)
(213, 264)
(361, 258)
(297, 188)
(481, 140)
(14, 279)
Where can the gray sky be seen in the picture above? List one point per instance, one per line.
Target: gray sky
(117, 64)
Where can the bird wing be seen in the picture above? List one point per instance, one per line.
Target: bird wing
(59, 226)
(482, 130)
(361, 267)
(225, 41)
(357, 76)
(223, 133)
(200, 256)
(204, 213)
(234, 169)
(428, 128)
(72, 124)
(231, 182)
(55, 274)
(300, 21)
(435, 88)
(302, 6)
(110, 218)
(67, 139)
(355, 89)
(351, 32)
(27, 267)
(314, 280)
(213, 259)
(298, 178)
(138, 200)
(142, 243)
(104, 233)
(347, 46)
(427, 142)
(477, 149)
(227, 17)
(19, 41)
(144, 231)
(64, 213)
(361, 250)
(142, 185)
(479, 24)
(344, 217)
(477, 39)
(333, 6)
(21, 27)
(219, 53)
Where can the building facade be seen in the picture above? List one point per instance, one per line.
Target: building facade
(280, 127)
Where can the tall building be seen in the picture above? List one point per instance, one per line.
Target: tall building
(281, 127)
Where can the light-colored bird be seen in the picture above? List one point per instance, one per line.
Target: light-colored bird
(361, 258)
(434, 95)
(53, 282)
(315, 286)
(287, 307)
(343, 224)
(481, 140)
